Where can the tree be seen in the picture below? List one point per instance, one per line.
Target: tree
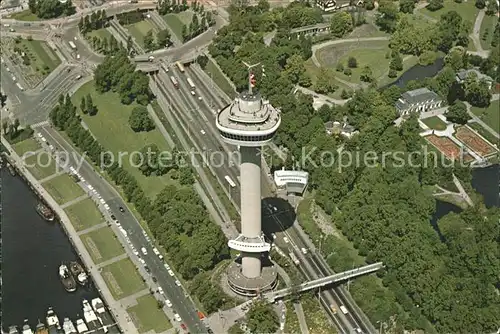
(387, 16)
(83, 105)
(163, 38)
(139, 120)
(406, 6)
(396, 62)
(262, 318)
(435, 5)
(341, 24)
(480, 4)
(325, 82)
(457, 113)
(5, 126)
(202, 60)
(392, 73)
(149, 43)
(352, 62)
(3, 99)
(492, 8)
(295, 69)
(16, 125)
(91, 108)
(366, 74)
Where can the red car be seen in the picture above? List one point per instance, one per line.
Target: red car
(183, 327)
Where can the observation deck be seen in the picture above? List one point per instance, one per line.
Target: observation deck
(249, 245)
(248, 121)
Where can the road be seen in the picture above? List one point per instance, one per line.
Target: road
(182, 305)
(204, 135)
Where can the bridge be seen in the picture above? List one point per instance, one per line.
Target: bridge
(147, 67)
(320, 282)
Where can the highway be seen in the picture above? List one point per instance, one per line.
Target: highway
(205, 136)
(182, 305)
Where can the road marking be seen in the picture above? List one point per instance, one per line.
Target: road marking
(40, 124)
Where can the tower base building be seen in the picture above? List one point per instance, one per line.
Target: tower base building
(250, 122)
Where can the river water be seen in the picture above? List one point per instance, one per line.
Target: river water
(32, 251)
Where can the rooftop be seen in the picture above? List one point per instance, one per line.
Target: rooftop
(463, 74)
(419, 95)
(249, 112)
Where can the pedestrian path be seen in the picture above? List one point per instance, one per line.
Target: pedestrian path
(45, 179)
(39, 124)
(76, 200)
(132, 299)
(112, 260)
(93, 228)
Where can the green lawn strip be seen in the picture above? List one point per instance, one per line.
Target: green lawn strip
(122, 278)
(220, 80)
(466, 10)
(485, 133)
(488, 24)
(175, 23)
(25, 15)
(139, 29)
(292, 321)
(102, 244)
(434, 123)
(112, 119)
(147, 316)
(489, 115)
(63, 189)
(41, 165)
(316, 318)
(41, 50)
(27, 145)
(84, 214)
(101, 33)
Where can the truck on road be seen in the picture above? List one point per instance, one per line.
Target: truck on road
(19, 86)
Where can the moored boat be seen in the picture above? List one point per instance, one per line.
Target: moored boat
(13, 330)
(79, 273)
(41, 329)
(81, 327)
(68, 327)
(98, 306)
(66, 278)
(52, 321)
(89, 315)
(45, 212)
(26, 328)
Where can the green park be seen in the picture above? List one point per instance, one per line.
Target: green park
(122, 278)
(41, 165)
(63, 188)
(84, 214)
(102, 244)
(140, 29)
(26, 146)
(490, 115)
(435, 123)
(177, 20)
(147, 316)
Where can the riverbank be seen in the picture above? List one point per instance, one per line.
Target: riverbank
(120, 314)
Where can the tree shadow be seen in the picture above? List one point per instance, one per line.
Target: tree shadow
(277, 215)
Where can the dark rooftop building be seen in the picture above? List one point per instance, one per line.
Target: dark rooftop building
(418, 100)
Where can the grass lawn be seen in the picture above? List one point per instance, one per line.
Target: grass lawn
(175, 23)
(84, 214)
(27, 145)
(466, 10)
(101, 33)
(316, 318)
(488, 24)
(434, 123)
(112, 119)
(139, 29)
(490, 115)
(147, 316)
(292, 321)
(219, 79)
(25, 15)
(483, 132)
(63, 189)
(408, 62)
(43, 165)
(122, 278)
(102, 244)
(313, 72)
(43, 58)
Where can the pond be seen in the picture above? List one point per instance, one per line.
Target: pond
(419, 72)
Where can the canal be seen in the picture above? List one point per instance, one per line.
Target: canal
(32, 251)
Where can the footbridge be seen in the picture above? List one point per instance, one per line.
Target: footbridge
(320, 282)
(148, 67)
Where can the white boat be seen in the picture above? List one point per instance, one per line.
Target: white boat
(89, 315)
(52, 319)
(68, 327)
(82, 278)
(26, 328)
(13, 330)
(98, 306)
(81, 327)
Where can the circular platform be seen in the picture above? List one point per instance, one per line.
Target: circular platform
(251, 287)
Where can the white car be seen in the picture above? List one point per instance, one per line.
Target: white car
(155, 250)
(136, 253)
(177, 282)
(167, 266)
(160, 290)
(285, 239)
(141, 260)
(304, 251)
(171, 273)
(144, 251)
(273, 235)
(177, 317)
(168, 303)
(202, 132)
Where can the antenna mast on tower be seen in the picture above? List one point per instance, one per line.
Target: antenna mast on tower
(250, 75)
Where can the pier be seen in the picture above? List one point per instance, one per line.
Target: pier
(117, 311)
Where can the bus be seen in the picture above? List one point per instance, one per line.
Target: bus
(73, 46)
(294, 258)
(230, 181)
(174, 82)
(180, 66)
(191, 83)
(19, 86)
